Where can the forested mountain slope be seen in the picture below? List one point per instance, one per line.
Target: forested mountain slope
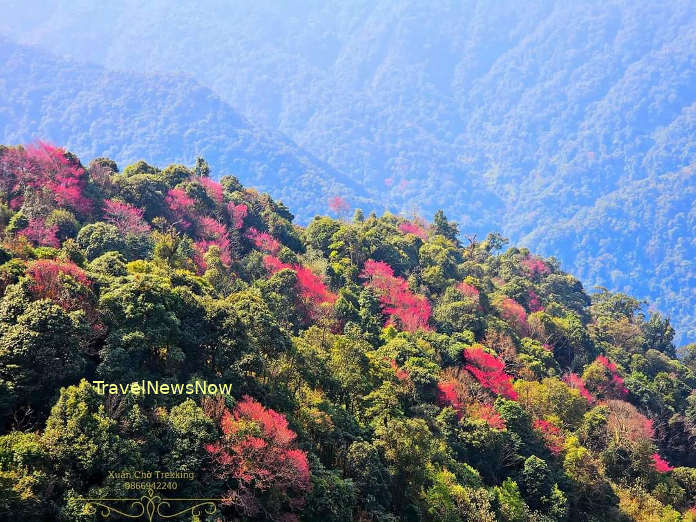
(375, 369)
(524, 117)
(165, 118)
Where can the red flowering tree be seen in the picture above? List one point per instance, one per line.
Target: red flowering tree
(212, 232)
(311, 289)
(41, 234)
(603, 379)
(575, 381)
(552, 435)
(43, 166)
(447, 395)
(513, 313)
(212, 188)
(489, 371)
(626, 424)
(338, 205)
(182, 206)
(411, 311)
(408, 227)
(660, 464)
(534, 303)
(257, 459)
(237, 213)
(263, 241)
(488, 413)
(127, 218)
(534, 266)
(51, 280)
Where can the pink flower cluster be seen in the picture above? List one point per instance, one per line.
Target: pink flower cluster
(552, 434)
(513, 313)
(407, 227)
(410, 310)
(489, 371)
(617, 382)
(575, 381)
(263, 241)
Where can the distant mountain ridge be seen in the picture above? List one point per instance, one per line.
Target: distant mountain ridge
(159, 118)
(565, 125)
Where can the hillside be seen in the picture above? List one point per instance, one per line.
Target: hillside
(523, 118)
(373, 369)
(165, 118)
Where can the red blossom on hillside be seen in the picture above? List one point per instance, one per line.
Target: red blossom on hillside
(617, 382)
(575, 381)
(400, 373)
(212, 188)
(47, 281)
(256, 454)
(447, 395)
(660, 464)
(487, 413)
(410, 310)
(408, 227)
(263, 241)
(468, 290)
(535, 266)
(534, 302)
(181, 205)
(513, 313)
(489, 371)
(311, 289)
(127, 218)
(338, 205)
(40, 234)
(43, 166)
(552, 434)
(212, 232)
(237, 214)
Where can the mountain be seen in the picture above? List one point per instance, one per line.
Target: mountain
(173, 347)
(163, 118)
(528, 118)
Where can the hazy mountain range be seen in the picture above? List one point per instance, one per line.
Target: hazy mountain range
(565, 125)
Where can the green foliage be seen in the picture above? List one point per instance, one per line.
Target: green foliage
(354, 416)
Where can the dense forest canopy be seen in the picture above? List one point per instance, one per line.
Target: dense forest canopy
(567, 126)
(381, 368)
